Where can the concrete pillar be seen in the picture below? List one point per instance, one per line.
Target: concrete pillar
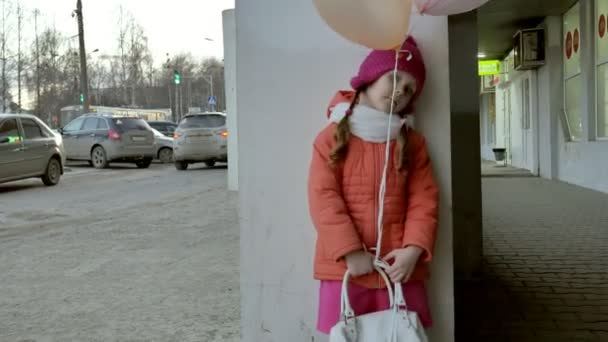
(466, 163)
(587, 44)
(551, 97)
(230, 91)
(289, 65)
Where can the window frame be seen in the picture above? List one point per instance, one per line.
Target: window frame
(597, 63)
(95, 127)
(19, 131)
(79, 127)
(43, 134)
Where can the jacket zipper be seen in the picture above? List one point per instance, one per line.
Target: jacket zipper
(376, 205)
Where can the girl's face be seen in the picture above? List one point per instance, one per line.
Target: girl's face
(378, 95)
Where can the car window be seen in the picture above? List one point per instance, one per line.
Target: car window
(9, 129)
(74, 125)
(31, 130)
(203, 121)
(102, 124)
(90, 124)
(128, 124)
(157, 133)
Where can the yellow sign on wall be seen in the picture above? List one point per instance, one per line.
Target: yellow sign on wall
(487, 68)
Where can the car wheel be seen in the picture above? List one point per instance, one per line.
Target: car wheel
(165, 155)
(99, 158)
(210, 163)
(144, 163)
(181, 166)
(53, 173)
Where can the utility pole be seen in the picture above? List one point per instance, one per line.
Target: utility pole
(181, 101)
(177, 102)
(212, 94)
(38, 108)
(189, 93)
(177, 79)
(168, 67)
(210, 82)
(84, 82)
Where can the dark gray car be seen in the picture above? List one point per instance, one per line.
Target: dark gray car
(165, 127)
(101, 139)
(163, 146)
(29, 149)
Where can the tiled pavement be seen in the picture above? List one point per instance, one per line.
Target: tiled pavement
(546, 265)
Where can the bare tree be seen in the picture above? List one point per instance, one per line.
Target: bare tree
(135, 60)
(19, 54)
(37, 54)
(57, 74)
(138, 53)
(122, 50)
(4, 51)
(213, 68)
(99, 76)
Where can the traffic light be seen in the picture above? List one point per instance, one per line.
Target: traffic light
(81, 98)
(177, 78)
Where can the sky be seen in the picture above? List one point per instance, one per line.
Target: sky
(171, 26)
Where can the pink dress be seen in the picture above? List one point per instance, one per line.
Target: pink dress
(364, 300)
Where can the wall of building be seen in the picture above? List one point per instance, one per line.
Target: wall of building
(231, 104)
(285, 79)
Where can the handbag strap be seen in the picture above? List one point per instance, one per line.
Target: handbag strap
(346, 309)
(400, 301)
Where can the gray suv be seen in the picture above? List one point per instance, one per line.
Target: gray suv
(102, 138)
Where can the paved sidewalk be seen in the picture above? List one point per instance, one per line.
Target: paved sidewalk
(546, 264)
(493, 169)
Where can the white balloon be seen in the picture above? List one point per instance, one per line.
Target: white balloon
(377, 24)
(447, 7)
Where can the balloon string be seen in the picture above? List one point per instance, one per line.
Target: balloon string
(382, 194)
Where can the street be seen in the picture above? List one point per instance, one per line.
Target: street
(120, 254)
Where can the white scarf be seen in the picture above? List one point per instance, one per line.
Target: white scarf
(367, 123)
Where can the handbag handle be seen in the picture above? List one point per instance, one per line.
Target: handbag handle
(346, 309)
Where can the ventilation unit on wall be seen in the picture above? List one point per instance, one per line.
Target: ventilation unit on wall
(529, 49)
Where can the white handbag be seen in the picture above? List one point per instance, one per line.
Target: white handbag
(396, 324)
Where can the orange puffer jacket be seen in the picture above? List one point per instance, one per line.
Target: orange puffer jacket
(344, 204)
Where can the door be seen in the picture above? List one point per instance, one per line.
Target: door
(70, 137)
(86, 138)
(11, 149)
(37, 147)
(522, 134)
(507, 134)
(526, 125)
(516, 127)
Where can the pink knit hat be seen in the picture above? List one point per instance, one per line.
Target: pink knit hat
(379, 62)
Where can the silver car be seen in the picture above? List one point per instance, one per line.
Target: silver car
(163, 146)
(101, 139)
(200, 138)
(29, 149)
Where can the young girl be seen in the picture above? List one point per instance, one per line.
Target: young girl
(344, 183)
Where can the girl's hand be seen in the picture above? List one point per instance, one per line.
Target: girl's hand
(405, 260)
(360, 263)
